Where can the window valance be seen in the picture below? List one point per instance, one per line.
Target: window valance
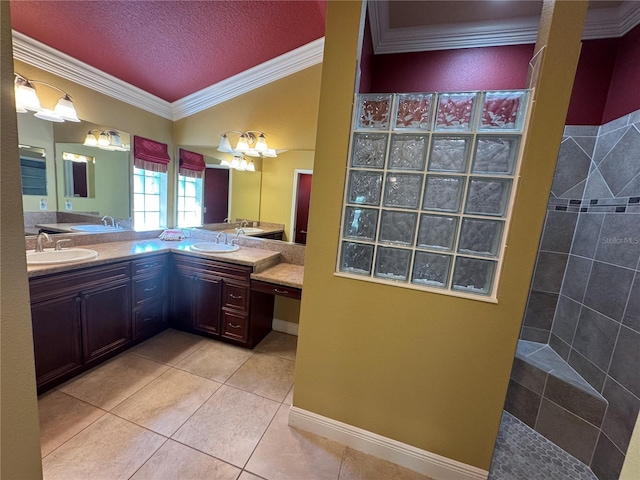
(150, 155)
(191, 164)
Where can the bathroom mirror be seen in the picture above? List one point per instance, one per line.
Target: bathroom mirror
(33, 170)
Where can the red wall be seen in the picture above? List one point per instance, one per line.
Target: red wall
(624, 90)
(591, 85)
(606, 85)
(488, 68)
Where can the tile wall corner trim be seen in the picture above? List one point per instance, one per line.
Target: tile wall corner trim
(421, 461)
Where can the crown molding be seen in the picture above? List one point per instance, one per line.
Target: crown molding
(291, 62)
(601, 23)
(39, 55)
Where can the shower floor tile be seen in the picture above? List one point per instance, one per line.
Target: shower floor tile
(522, 453)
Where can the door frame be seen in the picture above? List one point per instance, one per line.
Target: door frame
(294, 201)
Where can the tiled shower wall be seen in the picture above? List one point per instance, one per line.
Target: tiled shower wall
(585, 294)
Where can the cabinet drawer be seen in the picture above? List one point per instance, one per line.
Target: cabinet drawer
(235, 295)
(274, 289)
(149, 265)
(203, 265)
(44, 288)
(149, 319)
(234, 325)
(145, 289)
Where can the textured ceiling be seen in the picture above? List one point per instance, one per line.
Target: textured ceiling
(171, 48)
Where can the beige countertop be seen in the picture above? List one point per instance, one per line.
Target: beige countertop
(232, 231)
(64, 227)
(115, 251)
(285, 274)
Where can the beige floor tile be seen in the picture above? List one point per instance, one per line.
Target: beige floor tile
(288, 400)
(167, 402)
(110, 448)
(169, 347)
(285, 453)
(279, 344)
(249, 476)
(229, 425)
(61, 417)
(360, 466)
(112, 382)
(215, 361)
(265, 375)
(176, 461)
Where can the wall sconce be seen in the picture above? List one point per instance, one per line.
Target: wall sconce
(27, 100)
(239, 163)
(106, 140)
(248, 144)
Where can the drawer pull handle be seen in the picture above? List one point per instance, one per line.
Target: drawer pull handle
(235, 296)
(148, 319)
(277, 290)
(235, 326)
(151, 289)
(149, 265)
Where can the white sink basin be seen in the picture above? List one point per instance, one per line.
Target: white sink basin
(66, 255)
(211, 247)
(250, 230)
(91, 228)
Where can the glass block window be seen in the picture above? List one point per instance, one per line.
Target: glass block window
(149, 199)
(189, 201)
(430, 184)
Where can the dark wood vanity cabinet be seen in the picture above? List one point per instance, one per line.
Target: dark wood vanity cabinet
(149, 287)
(79, 318)
(214, 298)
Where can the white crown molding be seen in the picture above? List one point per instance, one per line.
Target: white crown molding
(601, 23)
(39, 55)
(421, 461)
(291, 62)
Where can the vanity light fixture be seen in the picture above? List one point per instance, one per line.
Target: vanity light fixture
(252, 143)
(106, 140)
(27, 100)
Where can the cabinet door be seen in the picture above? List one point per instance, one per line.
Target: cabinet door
(106, 319)
(183, 291)
(207, 308)
(56, 337)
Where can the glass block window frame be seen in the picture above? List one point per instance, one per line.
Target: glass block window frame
(439, 214)
(189, 196)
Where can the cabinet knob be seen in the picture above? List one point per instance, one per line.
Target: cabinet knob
(78, 299)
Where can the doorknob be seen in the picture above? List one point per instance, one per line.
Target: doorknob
(303, 231)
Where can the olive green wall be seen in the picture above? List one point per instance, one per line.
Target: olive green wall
(278, 176)
(39, 133)
(19, 435)
(425, 369)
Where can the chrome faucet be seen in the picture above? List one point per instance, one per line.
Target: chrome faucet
(39, 241)
(240, 231)
(243, 224)
(226, 220)
(218, 237)
(113, 222)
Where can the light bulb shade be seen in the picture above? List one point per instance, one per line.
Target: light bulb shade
(252, 152)
(90, 140)
(243, 143)
(261, 143)
(104, 140)
(50, 115)
(26, 97)
(251, 167)
(65, 109)
(243, 164)
(270, 152)
(225, 144)
(116, 142)
(224, 163)
(235, 163)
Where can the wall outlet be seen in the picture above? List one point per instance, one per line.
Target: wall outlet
(43, 204)
(68, 205)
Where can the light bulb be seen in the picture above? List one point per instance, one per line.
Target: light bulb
(261, 143)
(225, 144)
(104, 140)
(26, 97)
(90, 140)
(251, 167)
(243, 143)
(65, 109)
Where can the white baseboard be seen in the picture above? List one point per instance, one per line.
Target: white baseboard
(421, 461)
(285, 327)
